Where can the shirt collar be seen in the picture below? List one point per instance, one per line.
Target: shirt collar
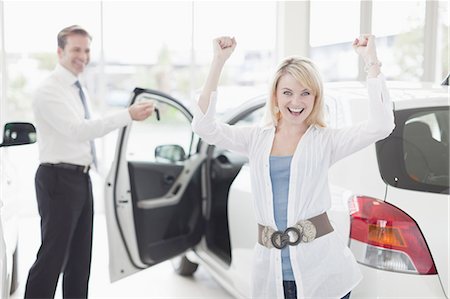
(268, 127)
(272, 127)
(65, 75)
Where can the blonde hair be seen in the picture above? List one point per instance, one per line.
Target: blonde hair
(306, 73)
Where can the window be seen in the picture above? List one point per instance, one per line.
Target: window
(443, 41)
(31, 50)
(334, 26)
(2, 69)
(253, 24)
(416, 154)
(400, 43)
(425, 147)
(174, 128)
(253, 118)
(147, 45)
(167, 45)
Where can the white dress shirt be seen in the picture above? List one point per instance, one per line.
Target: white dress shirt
(63, 133)
(324, 268)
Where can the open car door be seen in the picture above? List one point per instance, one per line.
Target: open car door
(153, 193)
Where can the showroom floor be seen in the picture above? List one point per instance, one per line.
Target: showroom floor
(157, 282)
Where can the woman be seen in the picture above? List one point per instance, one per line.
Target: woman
(298, 255)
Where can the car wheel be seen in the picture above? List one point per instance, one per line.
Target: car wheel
(183, 266)
(14, 272)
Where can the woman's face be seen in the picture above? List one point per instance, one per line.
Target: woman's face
(294, 100)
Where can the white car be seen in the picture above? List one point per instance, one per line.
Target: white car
(14, 134)
(171, 196)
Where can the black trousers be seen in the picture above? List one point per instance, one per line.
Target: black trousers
(65, 205)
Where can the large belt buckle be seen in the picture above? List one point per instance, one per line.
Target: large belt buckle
(281, 239)
(303, 231)
(308, 230)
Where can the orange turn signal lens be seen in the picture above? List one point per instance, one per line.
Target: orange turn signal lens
(385, 235)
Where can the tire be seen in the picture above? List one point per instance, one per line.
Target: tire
(183, 266)
(14, 272)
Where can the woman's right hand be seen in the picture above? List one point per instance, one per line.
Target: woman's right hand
(223, 47)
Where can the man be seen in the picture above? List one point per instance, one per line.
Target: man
(63, 186)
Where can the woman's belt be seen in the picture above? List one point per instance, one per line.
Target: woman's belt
(303, 231)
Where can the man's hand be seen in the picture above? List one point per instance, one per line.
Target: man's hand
(141, 110)
(223, 47)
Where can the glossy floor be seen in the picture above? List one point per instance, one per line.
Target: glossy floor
(159, 281)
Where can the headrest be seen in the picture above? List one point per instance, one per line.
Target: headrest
(417, 129)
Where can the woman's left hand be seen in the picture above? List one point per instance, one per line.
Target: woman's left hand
(365, 47)
(223, 47)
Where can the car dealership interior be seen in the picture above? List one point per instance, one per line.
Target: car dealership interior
(161, 50)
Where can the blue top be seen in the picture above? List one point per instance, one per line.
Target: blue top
(280, 171)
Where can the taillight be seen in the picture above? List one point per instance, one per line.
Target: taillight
(385, 237)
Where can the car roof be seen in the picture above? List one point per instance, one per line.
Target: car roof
(405, 95)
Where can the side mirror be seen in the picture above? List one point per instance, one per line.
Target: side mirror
(18, 133)
(169, 153)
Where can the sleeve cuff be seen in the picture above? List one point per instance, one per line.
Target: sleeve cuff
(124, 117)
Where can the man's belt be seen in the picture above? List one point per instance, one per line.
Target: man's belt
(74, 167)
(303, 231)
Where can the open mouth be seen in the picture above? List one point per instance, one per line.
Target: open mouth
(296, 111)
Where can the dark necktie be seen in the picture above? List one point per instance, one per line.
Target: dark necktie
(87, 115)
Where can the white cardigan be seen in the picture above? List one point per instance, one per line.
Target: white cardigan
(324, 268)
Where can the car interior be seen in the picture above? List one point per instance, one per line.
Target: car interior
(160, 231)
(222, 168)
(426, 159)
(415, 155)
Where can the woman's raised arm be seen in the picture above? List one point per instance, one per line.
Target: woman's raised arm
(365, 47)
(223, 47)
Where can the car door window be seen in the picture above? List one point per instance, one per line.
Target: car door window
(251, 119)
(425, 147)
(224, 166)
(173, 128)
(415, 156)
(154, 184)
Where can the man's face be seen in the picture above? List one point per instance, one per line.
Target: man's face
(75, 55)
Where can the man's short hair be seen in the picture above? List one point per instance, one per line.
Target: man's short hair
(74, 29)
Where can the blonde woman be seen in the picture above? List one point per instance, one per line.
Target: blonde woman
(298, 254)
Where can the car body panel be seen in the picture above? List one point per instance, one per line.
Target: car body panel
(386, 284)
(432, 219)
(242, 237)
(4, 277)
(225, 274)
(137, 193)
(14, 134)
(430, 211)
(358, 174)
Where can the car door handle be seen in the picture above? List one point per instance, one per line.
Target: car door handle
(223, 160)
(169, 179)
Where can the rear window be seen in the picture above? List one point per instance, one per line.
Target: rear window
(416, 155)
